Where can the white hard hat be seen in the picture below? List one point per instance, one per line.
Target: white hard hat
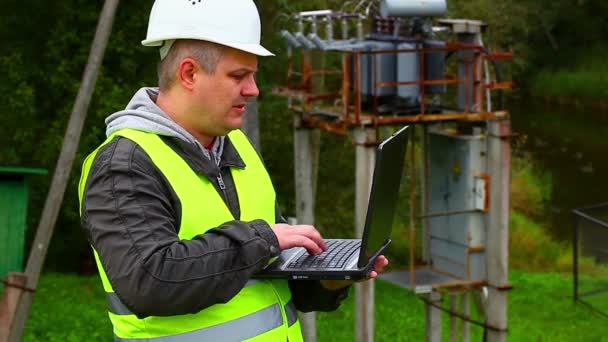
(233, 23)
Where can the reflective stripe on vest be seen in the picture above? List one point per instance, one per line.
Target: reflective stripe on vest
(260, 301)
(116, 306)
(239, 329)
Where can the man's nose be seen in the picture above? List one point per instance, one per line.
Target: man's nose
(250, 88)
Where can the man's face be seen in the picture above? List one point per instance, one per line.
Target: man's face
(220, 98)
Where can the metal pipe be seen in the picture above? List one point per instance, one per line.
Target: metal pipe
(289, 72)
(360, 28)
(429, 82)
(314, 13)
(575, 224)
(592, 219)
(318, 42)
(313, 25)
(449, 213)
(290, 39)
(305, 41)
(344, 29)
(357, 87)
(345, 82)
(396, 28)
(595, 206)
(374, 81)
(329, 29)
(399, 8)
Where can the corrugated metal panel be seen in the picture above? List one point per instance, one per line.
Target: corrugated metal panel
(13, 204)
(477, 262)
(449, 257)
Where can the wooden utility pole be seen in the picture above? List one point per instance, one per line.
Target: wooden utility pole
(306, 159)
(71, 139)
(499, 160)
(364, 291)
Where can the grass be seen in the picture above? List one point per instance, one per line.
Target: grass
(587, 79)
(68, 307)
(72, 308)
(540, 309)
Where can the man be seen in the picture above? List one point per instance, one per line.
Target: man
(177, 204)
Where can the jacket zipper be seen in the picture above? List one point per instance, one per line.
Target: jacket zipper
(220, 180)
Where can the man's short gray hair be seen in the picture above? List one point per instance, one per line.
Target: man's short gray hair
(207, 54)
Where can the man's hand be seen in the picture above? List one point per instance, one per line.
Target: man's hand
(381, 262)
(300, 235)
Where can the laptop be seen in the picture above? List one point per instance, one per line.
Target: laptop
(353, 259)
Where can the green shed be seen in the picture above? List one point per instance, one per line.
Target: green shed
(14, 188)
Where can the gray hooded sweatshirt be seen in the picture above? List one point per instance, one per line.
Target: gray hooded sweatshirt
(143, 114)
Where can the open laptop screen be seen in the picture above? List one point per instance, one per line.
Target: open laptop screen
(383, 197)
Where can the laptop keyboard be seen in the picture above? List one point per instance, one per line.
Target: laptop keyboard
(336, 255)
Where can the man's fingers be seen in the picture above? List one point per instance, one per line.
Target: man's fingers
(299, 236)
(311, 247)
(311, 233)
(380, 263)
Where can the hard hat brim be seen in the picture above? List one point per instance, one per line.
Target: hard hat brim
(255, 49)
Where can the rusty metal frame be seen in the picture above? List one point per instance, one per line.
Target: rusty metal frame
(340, 117)
(350, 112)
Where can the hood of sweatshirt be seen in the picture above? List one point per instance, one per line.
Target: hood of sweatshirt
(143, 114)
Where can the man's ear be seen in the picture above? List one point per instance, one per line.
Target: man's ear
(187, 72)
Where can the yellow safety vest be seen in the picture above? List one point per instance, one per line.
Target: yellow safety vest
(263, 309)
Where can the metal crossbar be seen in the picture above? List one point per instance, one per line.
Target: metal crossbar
(583, 215)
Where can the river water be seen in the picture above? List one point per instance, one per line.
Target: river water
(568, 147)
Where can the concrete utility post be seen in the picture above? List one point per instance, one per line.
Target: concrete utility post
(306, 157)
(432, 314)
(499, 160)
(364, 292)
(433, 317)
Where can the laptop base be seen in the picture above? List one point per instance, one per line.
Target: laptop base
(351, 271)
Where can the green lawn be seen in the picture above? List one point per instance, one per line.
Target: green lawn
(72, 308)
